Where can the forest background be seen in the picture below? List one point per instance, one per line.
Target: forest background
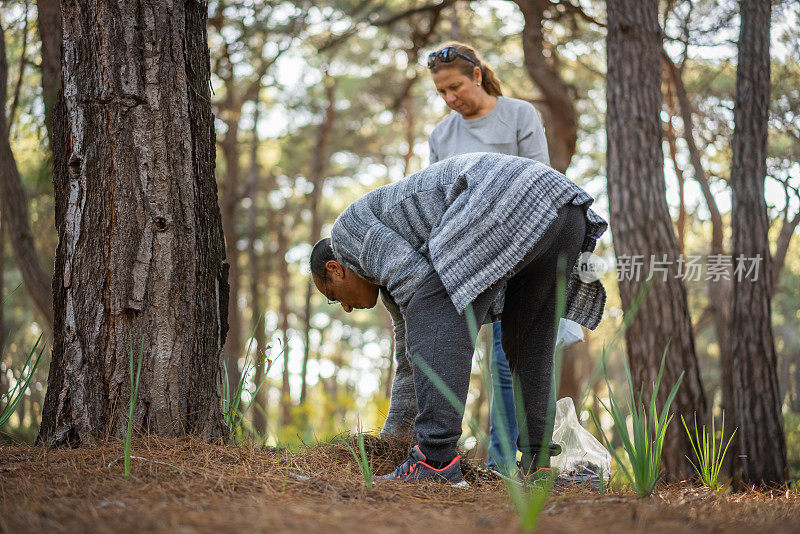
(317, 103)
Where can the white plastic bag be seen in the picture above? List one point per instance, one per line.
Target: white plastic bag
(569, 332)
(583, 459)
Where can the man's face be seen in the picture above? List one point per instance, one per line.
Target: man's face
(345, 287)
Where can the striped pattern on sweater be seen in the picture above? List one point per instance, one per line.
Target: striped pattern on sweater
(472, 218)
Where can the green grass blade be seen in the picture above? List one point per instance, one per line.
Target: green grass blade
(12, 398)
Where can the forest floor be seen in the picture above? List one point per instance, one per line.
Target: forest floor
(185, 485)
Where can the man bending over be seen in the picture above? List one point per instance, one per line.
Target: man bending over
(478, 235)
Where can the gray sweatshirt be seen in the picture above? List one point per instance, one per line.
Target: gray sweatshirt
(471, 218)
(513, 127)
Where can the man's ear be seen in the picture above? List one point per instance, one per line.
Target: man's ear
(334, 268)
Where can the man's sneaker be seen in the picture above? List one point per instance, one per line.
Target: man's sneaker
(414, 469)
(542, 477)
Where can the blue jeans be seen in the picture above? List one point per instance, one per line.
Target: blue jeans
(503, 429)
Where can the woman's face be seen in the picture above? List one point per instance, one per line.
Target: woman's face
(461, 93)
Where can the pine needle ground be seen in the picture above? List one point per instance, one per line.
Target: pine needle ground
(191, 486)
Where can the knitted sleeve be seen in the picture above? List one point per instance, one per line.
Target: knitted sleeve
(403, 404)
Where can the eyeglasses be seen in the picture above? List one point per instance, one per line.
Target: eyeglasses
(448, 54)
(325, 292)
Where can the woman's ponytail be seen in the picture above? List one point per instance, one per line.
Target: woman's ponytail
(490, 82)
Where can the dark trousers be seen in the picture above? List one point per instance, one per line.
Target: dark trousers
(441, 345)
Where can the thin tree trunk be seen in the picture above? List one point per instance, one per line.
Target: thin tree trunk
(260, 409)
(796, 385)
(574, 370)
(408, 126)
(669, 133)
(140, 256)
(762, 457)
(283, 310)
(2, 295)
(640, 219)
(15, 211)
(230, 201)
(561, 130)
(317, 178)
(719, 290)
(49, 19)
(23, 62)
(559, 113)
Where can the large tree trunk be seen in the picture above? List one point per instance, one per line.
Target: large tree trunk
(14, 210)
(640, 220)
(559, 109)
(762, 450)
(140, 254)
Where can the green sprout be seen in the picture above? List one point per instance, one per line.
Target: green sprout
(363, 461)
(709, 456)
(132, 404)
(643, 447)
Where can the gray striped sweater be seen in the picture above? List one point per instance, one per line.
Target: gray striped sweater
(471, 218)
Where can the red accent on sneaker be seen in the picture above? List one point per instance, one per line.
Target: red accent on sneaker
(539, 471)
(448, 466)
(411, 470)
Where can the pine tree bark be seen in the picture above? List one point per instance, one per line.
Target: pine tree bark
(640, 220)
(140, 254)
(762, 447)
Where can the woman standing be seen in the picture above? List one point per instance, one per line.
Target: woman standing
(486, 121)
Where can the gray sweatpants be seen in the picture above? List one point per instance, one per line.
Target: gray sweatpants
(440, 337)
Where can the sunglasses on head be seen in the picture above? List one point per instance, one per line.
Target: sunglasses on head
(448, 54)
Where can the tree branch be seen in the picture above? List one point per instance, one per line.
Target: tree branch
(560, 115)
(388, 21)
(578, 10)
(419, 39)
(685, 106)
(23, 61)
(784, 239)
